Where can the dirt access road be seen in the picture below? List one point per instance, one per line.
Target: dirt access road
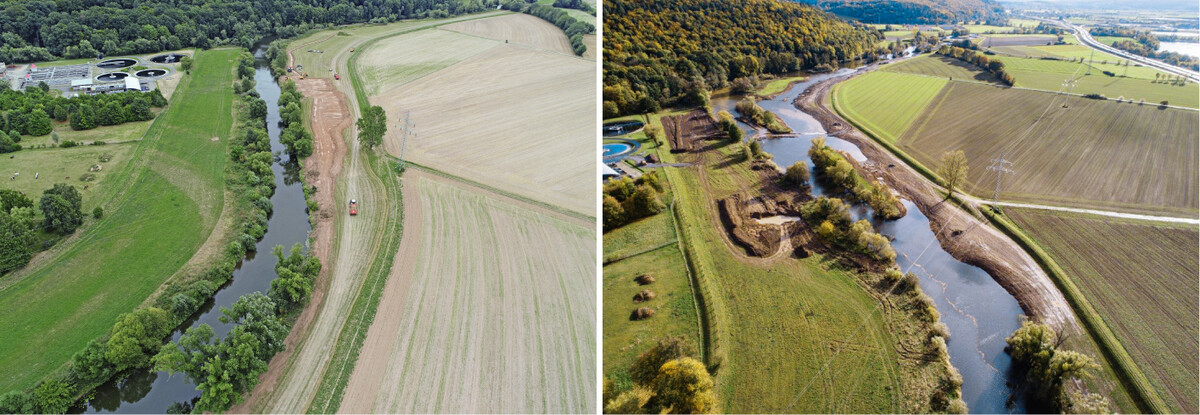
(296, 374)
(970, 239)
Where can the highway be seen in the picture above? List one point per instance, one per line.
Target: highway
(1086, 38)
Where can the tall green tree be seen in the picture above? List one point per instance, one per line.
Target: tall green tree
(16, 242)
(953, 169)
(62, 207)
(38, 123)
(372, 126)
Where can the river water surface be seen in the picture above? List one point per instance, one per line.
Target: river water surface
(149, 391)
(978, 311)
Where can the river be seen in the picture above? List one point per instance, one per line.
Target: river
(978, 311)
(148, 391)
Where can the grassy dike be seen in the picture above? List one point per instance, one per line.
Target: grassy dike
(172, 195)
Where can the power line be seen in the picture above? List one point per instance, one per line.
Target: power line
(408, 128)
(1000, 166)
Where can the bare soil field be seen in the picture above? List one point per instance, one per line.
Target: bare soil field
(401, 59)
(494, 119)
(521, 29)
(493, 312)
(1135, 273)
(687, 132)
(1082, 153)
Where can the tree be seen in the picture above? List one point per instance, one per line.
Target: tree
(186, 63)
(61, 205)
(643, 203)
(139, 110)
(16, 242)
(296, 274)
(60, 113)
(797, 174)
(89, 364)
(645, 368)
(614, 214)
(654, 133)
(111, 114)
(372, 126)
(38, 123)
(84, 118)
(135, 336)
(98, 212)
(16, 402)
(53, 397)
(258, 109)
(225, 369)
(11, 198)
(953, 169)
(683, 386)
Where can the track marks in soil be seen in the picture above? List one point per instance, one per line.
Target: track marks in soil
(497, 314)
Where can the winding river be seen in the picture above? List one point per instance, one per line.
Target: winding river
(978, 311)
(149, 391)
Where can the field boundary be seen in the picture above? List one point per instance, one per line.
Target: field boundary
(1130, 374)
(507, 194)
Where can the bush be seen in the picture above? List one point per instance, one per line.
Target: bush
(98, 212)
(53, 397)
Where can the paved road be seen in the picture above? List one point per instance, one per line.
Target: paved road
(1171, 219)
(1087, 38)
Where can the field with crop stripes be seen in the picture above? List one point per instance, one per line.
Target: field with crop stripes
(1142, 278)
(890, 101)
(1091, 153)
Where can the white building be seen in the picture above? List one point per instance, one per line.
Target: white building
(132, 84)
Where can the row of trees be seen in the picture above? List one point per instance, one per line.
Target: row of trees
(1050, 368)
(299, 140)
(995, 66)
(834, 169)
(574, 28)
(30, 112)
(627, 200)
(647, 64)
(666, 379)
(42, 30)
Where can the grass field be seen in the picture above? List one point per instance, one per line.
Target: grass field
(1092, 153)
(401, 59)
(498, 314)
(530, 132)
(889, 100)
(1141, 277)
(169, 201)
(934, 65)
(110, 134)
(521, 29)
(778, 85)
(67, 166)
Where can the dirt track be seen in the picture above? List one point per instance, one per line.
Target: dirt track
(979, 244)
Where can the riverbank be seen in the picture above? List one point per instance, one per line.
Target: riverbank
(970, 239)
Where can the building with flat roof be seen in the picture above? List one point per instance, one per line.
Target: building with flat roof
(132, 84)
(82, 84)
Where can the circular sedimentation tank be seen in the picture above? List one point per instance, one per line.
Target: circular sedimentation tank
(168, 58)
(151, 73)
(112, 77)
(117, 63)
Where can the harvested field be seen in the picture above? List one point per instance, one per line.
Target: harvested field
(688, 132)
(936, 65)
(1142, 278)
(497, 314)
(1016, 40)
(401, 59)
(521, 29)
(495, 121)
(1091, 154)
(888, 102)
(593, 47)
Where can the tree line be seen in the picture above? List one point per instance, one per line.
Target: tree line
(648, 64)
(43, 30)
(995, 66)
(915, 12)
(31, 112)
(627, 200)
(299, 140)
(572, 27)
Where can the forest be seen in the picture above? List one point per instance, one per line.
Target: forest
(648, 64)
(42, 30)
(913, 11)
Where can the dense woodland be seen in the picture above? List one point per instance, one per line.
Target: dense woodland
(41, 30)
(30, 112)
(667, 52)
(913, 11)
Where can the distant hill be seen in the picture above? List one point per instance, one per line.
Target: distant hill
(911, 11)
(669, 52)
